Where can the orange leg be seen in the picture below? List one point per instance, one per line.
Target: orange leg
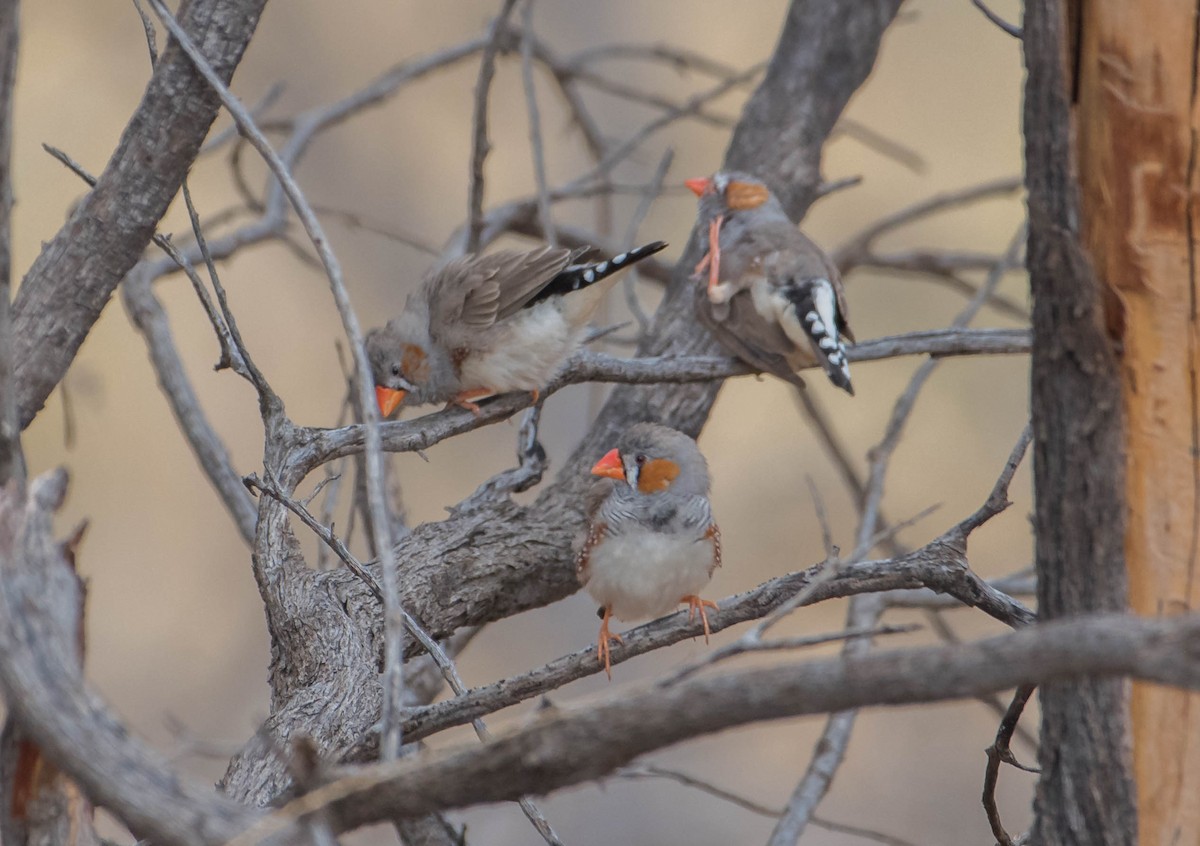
(702, 265)
(695, 604)
(463, 399)
(603, 650)
(714, 252)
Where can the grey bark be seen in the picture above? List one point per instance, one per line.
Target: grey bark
(1085, 793)
(72, 279)
(11, 462)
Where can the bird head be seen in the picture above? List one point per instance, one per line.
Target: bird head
(405, 363)
(652, 459)
(726, 192)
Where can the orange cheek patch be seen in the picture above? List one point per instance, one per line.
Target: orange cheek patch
(742, 196)
(657, 475)
(413, 363)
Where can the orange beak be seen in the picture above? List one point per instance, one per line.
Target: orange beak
(388, 399)
(698, 186)
(610, 466)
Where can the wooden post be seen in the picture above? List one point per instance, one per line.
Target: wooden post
(1137, 125)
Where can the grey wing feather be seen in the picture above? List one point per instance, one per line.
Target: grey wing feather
(474, 292)
(529, 275)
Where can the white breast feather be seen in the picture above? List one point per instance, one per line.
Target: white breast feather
(642, 574)
(526, 354)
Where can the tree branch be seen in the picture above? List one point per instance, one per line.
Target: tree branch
(12, 464)
(580, 744)
(72, 279)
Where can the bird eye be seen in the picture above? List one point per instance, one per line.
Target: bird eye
(395, 369)
(640, 459)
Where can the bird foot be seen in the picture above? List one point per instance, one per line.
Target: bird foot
(603, 647)
(463, 399)
(695, 604)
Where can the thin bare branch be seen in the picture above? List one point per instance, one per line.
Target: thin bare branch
(680, 58)
(904, 156)
(480, 145)
(687, 108)
(148, 317)
(858, 248)
(998, 753)
(630, 279)
(535, 123)
(1005, 26)
(641, 771)
(268, 400)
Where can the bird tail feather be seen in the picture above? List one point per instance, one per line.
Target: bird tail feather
(813, 310)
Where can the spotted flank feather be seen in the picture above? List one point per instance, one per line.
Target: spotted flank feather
(595, 534)
(813, 305)
(576, 277)
(714, 534)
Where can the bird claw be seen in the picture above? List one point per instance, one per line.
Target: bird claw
(463, 400)
(603, 647)
(695, 604)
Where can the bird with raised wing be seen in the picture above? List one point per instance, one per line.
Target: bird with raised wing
(651, 542)
(773, 297)
(490, 324)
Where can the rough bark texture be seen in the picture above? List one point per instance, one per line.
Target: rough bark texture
(72, 279)
(496, 561)
(10, 445)
(1085, 793)
(1138, 126)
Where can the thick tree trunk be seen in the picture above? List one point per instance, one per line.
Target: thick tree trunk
(1085, 794)
(1138, 123)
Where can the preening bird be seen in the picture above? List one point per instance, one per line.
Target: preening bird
(489, 324)
(651, 542)
(773, 297)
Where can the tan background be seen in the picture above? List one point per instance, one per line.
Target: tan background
(175, 624)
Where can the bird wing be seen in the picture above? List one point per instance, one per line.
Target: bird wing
(744, 332)
(472, 293)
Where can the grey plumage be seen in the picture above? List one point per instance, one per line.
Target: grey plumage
(780, 304)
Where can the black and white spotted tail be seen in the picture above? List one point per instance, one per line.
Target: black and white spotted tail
(576, 277)
(813, 307)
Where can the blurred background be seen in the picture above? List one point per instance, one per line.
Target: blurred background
(176, 636)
